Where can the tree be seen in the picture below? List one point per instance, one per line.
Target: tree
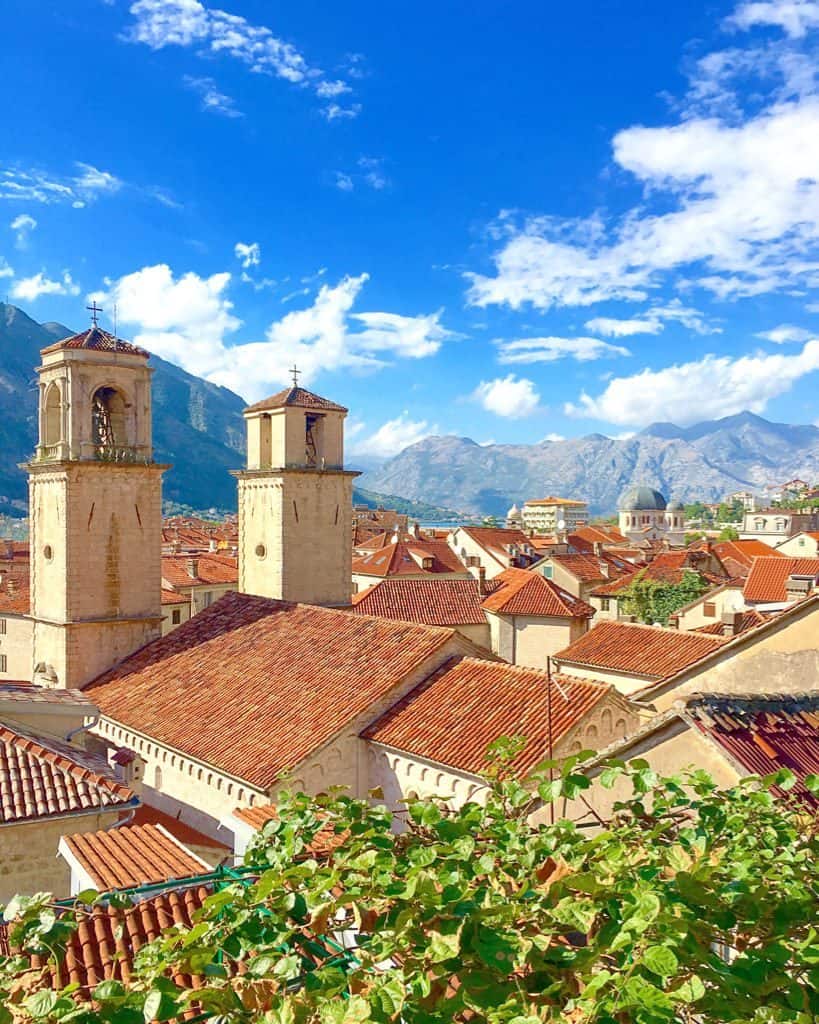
(729, 533)
(692, 905)
(655, 600)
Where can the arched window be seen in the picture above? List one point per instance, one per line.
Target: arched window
(53, 419)
(157, 778)
(108, 418)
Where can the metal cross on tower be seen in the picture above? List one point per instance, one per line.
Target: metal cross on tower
(295, 371)
(94, 309)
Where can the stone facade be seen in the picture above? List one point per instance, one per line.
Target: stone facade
(16, 641)
(531, 640)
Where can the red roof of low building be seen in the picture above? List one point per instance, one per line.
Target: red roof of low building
(454, 716)
(650, 652)
(131, 855)
(435, 602)
(528, 593)
(405, 558)
(767, 581)
(495, 540)
(748, 620)
(98, 340)
(598, 534)
(42, 777)
(198, 570)
(253, 686)
(300, 397)
(145, 814)
(325, 841)
(171, 597)
(763, 732)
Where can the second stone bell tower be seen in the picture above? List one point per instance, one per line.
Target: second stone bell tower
(295, 501)
(95, 508)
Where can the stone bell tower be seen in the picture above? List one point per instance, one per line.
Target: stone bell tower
(95, 509)
(295, 501)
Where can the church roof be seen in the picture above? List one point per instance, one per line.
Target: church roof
(295, 396)
(98, 340)
(253, 686)
(642, 499)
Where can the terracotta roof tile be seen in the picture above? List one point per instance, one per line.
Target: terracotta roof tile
(196, 570)
(593, 568)
(495, 540)
(295, 397)
(145, 814)
(750, 619)
(41, 777)
(599, 534)
(99, 340)
(454, 716)
(764, 732)
(26, 693)
(528, 593)
(15, 595)
(325, 841)
(648, 651)
(405, 558)
(109, 936)
(171, 597)
(131, 855)
(435, 602)
(743, 551)
(253, 686)
(768, 578)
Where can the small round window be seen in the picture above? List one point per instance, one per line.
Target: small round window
(49, 554)
(261, 550)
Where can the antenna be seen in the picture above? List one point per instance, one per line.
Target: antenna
(115, 319)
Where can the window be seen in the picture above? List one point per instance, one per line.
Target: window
(3, 663)
(207, 599)
(709, 610)
(548, 571)
(176, 616)
(2, 627)
(605, 604)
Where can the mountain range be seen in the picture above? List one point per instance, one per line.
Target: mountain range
(198, 428)
(706, 461)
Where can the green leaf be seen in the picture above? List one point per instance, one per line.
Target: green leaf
(260, 966)
(577, 914)
(110, 989)
(41, 1003)
(660, 960)
(158, 1005)
(689, 991)
(444, 947)
(551, 790)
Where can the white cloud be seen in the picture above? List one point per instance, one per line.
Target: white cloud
(23, 225)
(30, 288)
(785, 333)
(213, 100)
(249, 253)
(548, 350)
(335, 112)
(217, 33)
(5, 269)
(794, 17)
(731, 202)
(373, 171)
(344, 182)
(812, 307)
(510, 396)
(614, 328)
(710, 388)
(189, 320)
(394, 436)
(88, 184)
(553, 437)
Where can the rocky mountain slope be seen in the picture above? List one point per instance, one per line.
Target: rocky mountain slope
(705, 461)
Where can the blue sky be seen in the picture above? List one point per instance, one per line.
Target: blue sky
(510, 221)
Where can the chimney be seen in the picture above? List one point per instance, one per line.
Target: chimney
(597, 547)
(605, 569)
(192, 565)
(731, 623)
(796, 586)
(482, 587)
(213, 546)
(415, 530)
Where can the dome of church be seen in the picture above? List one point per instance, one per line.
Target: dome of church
(643, 499)
(513, 511)
(676, 506)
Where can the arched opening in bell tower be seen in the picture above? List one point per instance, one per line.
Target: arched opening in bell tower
(108, 429)
(53, 416)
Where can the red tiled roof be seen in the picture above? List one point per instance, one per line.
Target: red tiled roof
(599, 535)
(553, 500)
(453, 717)
(295, 397)
(397, 559)
(41, 777)
(15, 596)
(749, 620)
(496, 539)
(171, 597)
(109, 936)
(210, 569)
(657, 573)
(145, 814)
(768, 578)
(27, 693)
(436, 602)
(764, 733)
(743, 551)
(648, 651)
(528, 593)
(591, 568)
(99, 340)
(253, 686)
(132, 855)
